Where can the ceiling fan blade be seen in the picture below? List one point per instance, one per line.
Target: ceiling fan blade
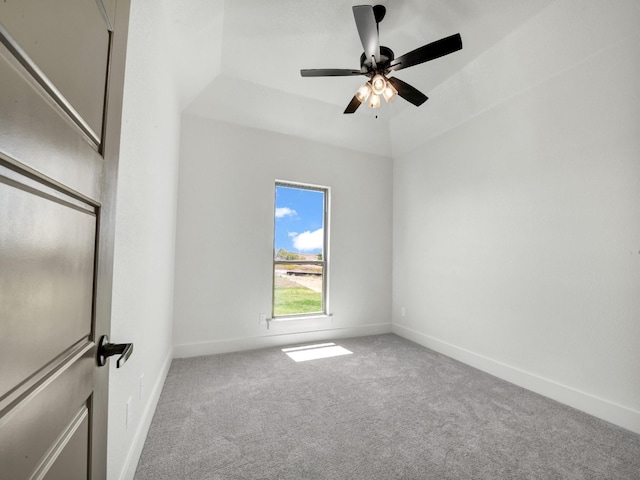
(368, 30)
(329, 72)
(433, 50)
(353, 105)
(406, 91)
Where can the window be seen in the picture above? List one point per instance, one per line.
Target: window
(300, 251)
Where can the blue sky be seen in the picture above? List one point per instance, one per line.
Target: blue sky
(298, 220)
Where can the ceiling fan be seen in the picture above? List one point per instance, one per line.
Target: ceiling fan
(378, 61)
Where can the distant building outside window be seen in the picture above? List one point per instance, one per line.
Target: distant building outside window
(300, 263)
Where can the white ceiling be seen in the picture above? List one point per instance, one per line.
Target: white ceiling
(240, 60)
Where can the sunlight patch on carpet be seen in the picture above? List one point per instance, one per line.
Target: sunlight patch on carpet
(314, 352)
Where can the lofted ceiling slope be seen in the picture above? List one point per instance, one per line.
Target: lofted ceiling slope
(239, 61)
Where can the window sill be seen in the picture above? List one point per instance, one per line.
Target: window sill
(299, 317)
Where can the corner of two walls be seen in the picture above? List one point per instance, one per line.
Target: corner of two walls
(516, 232)
(142, 302)
(513, 234)
(224, 244)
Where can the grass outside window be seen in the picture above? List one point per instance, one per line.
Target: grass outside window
(300, 250)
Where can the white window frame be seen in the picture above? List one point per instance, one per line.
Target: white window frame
(325, 253)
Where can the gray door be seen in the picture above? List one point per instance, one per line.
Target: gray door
(61, 75)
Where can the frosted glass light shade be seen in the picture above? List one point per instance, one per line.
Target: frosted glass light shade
(378, 83)
(363, 92)
(374, 101)
(389, 92)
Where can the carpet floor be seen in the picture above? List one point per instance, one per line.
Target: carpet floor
(390, 410)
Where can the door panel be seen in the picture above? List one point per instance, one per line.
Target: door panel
(62, 40)
(46, 278)
(68, 464)
(57, 204)
(34, 432)
(26, 109)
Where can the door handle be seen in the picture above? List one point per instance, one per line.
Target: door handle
(106, 349)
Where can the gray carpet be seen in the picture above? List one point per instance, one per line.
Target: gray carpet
(391, 410)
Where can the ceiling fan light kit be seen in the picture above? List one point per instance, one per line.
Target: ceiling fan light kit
(374, 101)
(389, 93)
(378, 83)
(378, 61)
(363, 92)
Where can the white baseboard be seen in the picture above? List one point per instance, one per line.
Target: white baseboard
(276, 339)
(131, 462)
(598, 407)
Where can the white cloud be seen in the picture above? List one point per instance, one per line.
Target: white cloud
(284, 212)
(292, 234)
(308, 241)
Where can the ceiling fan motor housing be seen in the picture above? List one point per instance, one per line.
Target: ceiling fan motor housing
(386, 56)
(378, 61)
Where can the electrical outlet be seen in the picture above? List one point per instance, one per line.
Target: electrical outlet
(263, 318)
(129, 414)
(403, 312)
(140, 392)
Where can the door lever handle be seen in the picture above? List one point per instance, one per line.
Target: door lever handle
(106, 349)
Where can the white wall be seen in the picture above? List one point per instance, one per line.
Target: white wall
(145, 237)
(224, 243)
(515, 220)
(517, 225)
